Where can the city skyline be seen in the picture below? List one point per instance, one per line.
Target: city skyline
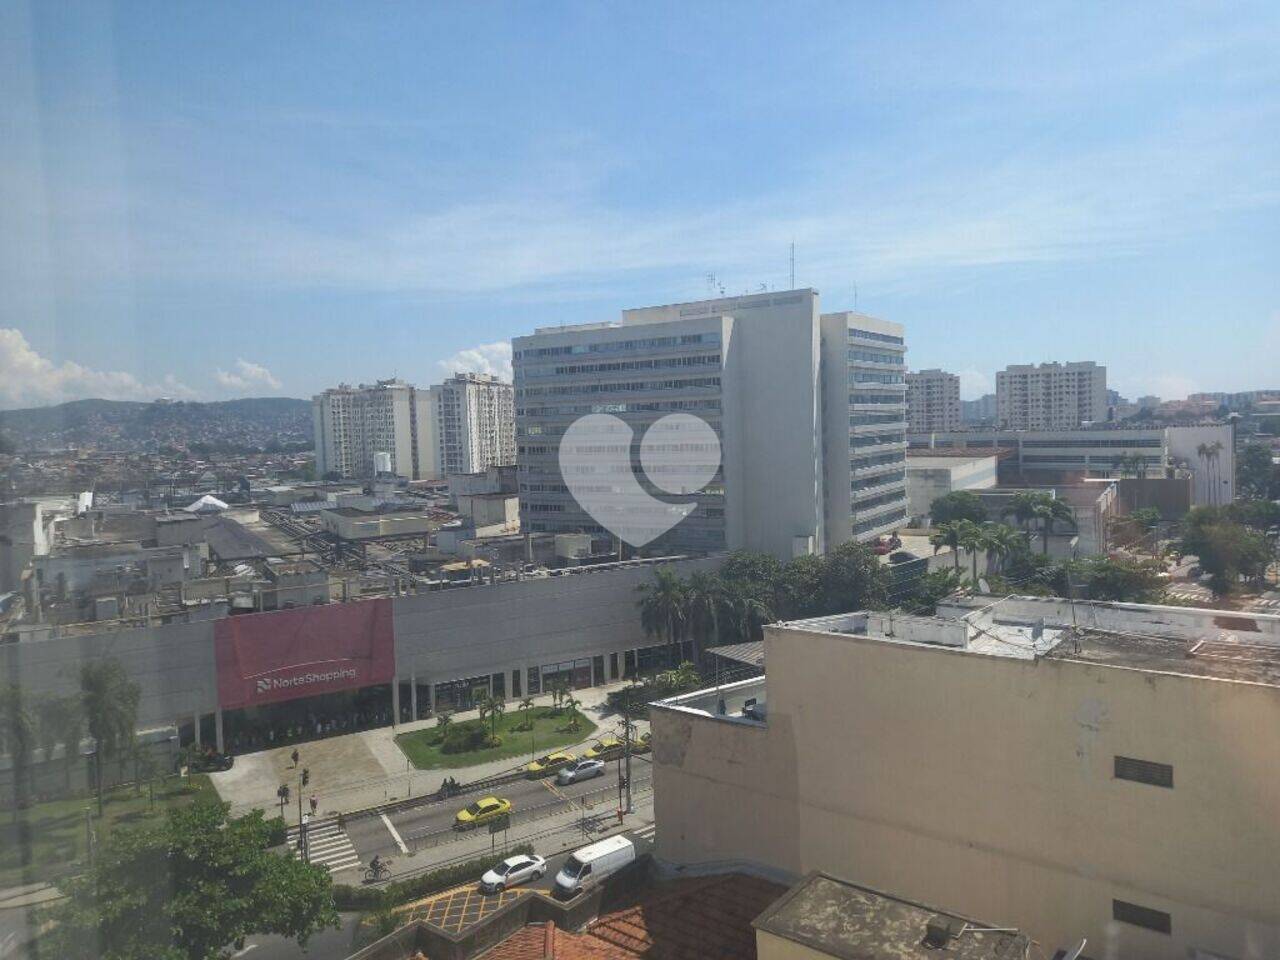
(192, 198)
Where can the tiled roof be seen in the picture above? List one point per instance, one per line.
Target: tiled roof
(692, 919)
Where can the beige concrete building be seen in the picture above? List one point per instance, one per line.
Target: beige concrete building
(1114, 780)
(933, 400)
(1051, 396)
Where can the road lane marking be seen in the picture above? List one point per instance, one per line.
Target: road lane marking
(556, 793)
(395, 834)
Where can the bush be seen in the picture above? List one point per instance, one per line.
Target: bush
(464, 738)
(277, 833)
(415, 888)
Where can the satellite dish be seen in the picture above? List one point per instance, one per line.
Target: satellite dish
(983, 585)
(1074, 953)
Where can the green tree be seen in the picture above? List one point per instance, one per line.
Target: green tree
(743, 614)
(957, 505)
(663, 607)
(110, 703)
(60, 720)
(1120, 579)
(191, 888)
(1258, 478)
(18, 735)
(442, 726)
(704, 600)
(800, 592)
(1227, 550)
(571, 704)
(926, 590)
(948, 535)
(1001, 541)
(974, 539)
(526, 713)
(1047, 511)
(853, 578)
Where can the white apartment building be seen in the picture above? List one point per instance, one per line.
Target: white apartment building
(779, 383)
(1051, 396)
(475, 423)
(1086, 770)
(933, 400)
(353, 424)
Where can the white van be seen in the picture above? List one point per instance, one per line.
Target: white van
(592, 864)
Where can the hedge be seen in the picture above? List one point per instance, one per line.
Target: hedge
(415, 888)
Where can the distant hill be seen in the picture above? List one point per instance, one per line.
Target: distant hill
(228, 425)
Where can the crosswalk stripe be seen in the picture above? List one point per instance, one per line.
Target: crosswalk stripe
(328, 845)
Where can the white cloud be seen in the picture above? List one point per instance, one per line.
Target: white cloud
(247, 376)
(974, 384)
(29, 379)
(494, 358)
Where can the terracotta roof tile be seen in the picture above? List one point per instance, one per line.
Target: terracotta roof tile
(693, 919)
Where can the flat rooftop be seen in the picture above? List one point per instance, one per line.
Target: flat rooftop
(1229, 657)
(842, 919)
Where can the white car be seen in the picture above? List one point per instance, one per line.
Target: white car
(580, 770)
(513, 871)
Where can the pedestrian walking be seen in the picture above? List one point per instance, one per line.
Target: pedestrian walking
(294, 756)
(314, 804)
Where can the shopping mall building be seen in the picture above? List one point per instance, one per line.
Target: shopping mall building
(246, 681)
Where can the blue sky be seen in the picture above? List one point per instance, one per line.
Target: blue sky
(214, 200)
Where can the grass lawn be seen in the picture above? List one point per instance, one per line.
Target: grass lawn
(56, 828)
(550, 730)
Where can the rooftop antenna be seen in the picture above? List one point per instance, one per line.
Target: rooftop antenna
(793, 264)
(855, 296)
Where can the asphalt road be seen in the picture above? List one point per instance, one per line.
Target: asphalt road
(337, 944)
(432, 823)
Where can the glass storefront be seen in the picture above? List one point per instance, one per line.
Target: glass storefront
(454, 695)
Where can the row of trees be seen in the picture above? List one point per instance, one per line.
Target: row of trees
(106, 707)
(1231, 542)
(752, 589)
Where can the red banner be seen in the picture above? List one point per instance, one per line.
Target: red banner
(270, 657)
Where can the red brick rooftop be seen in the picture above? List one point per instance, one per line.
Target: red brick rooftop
(695, 919)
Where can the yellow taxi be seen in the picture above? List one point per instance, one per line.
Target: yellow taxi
(643, 745)
(550, 763)
(606, 748)
(485, 810)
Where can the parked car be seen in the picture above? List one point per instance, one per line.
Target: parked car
(902, 556)
(212, 762)
(550, 763)
(580, 770)
(606, 748)
(887, 544)
(513, 871)
(485, 810)
(592, 864)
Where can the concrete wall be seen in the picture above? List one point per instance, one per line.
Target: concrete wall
(926, 482)
(986, 783)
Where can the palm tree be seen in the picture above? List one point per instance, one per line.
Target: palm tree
(704, 598)
(526, 707)
(572, 703)
(743, 612)
(497, 707)
(1208, 452)
(1001, 541)
(1022, 507)
(17, 739)
(110, 701)
(948, 535)
(663, 606)
(1049, 511)
(59, 721)
(442, 724)
(973, 538)
(483, 704)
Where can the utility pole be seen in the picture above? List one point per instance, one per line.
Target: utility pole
(793, 265)
(627, 727)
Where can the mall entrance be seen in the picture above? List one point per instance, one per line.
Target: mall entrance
(247, 729)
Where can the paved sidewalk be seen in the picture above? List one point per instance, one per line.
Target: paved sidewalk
(361, 770)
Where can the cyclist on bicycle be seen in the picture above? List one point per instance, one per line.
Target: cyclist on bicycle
(375, 865)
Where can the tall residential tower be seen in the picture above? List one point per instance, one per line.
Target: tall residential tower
(1052, 396)
(933, 400)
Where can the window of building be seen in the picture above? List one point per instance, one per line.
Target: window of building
(1144, 771)
(1138, 916)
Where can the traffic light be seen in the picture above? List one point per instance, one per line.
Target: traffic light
(306, 776)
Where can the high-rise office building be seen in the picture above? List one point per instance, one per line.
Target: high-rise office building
(475, 423)
(1051, 396)
(933, 400)
(807, 419)
(464, 425)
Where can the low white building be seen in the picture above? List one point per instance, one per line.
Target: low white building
(931, 477)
